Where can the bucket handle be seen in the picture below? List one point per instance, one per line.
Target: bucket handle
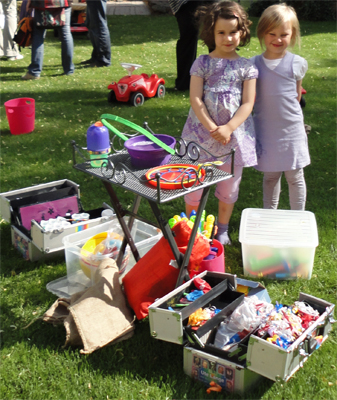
(140, 130)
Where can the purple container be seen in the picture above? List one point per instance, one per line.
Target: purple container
(98, 137)
(146, 154)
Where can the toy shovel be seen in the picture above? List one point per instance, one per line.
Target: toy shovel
(136, 127)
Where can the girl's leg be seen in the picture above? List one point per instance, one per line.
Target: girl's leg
(224, 213)
(271, 189)
(297, 189)
(227, 192)
(190, 208)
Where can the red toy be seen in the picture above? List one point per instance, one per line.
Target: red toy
(135, 88)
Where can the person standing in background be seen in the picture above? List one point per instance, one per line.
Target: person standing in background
(186, 49)
(8, 48)
(39, 34)
(99, 34)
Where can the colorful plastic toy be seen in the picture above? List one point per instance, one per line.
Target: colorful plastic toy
(135, 88)
(175, 176)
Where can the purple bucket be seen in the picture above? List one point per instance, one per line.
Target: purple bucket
(146, 154)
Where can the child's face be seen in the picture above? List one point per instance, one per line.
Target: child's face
(277, 40)
(226, 36)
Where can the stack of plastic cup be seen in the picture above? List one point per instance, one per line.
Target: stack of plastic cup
(98, 144)
(55, 224)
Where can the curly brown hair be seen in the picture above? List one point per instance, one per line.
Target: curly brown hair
(208, 15)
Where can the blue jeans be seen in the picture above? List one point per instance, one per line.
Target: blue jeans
(99, 32)
(67, 47)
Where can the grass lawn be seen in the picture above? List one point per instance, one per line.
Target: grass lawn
(34, 365)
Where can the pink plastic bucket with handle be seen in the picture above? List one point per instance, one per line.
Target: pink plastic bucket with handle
(20, 115)
(217, 264)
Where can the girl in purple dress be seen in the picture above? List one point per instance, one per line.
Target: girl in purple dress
(278, 117)
(222, 93)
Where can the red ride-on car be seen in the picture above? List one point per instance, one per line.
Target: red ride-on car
(135, 88)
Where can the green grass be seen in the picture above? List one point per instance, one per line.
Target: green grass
(33, 363)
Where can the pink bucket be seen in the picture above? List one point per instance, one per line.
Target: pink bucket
(20, 115)
(217, 264)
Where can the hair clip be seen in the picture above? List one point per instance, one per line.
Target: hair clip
(235, 15)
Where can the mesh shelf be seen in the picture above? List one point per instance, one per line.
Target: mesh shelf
(118, 170)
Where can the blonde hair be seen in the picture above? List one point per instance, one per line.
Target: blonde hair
(273, 16)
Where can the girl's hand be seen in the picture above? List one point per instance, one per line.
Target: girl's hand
(28, 5)
(222, 134)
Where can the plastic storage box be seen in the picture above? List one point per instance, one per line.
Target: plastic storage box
(278, 244)
(80, 275)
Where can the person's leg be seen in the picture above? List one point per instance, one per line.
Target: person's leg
(35, 67)
(227, 192)
(8, 47)
(297, 189)
(93, 57)
(271, 189)
(67, 45)
(99, 32)
(186, 48)
(192, 201)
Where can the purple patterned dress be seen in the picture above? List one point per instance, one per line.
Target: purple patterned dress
(223, 83)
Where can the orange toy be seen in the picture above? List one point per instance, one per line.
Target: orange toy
(214, 387)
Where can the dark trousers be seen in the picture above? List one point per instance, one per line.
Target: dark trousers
(99, 32)
(186, 49)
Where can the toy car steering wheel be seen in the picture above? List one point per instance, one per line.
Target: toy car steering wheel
(130, 67)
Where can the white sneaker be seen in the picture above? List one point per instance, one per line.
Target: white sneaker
(13, 58)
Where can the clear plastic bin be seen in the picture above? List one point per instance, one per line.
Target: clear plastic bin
(81, 269)
(278, 244)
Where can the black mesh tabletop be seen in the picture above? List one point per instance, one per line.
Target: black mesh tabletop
(118, 170)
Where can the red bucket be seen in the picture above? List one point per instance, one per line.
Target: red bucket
(21, 115)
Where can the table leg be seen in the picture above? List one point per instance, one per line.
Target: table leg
(166, 230)
(125, 227)
(183, 274)
(182, 260)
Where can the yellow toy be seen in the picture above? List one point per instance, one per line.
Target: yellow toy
(98, 248)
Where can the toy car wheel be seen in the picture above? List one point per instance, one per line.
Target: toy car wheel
(161, 91)
(112, 97)
(137, 99)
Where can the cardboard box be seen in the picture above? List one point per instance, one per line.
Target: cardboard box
(278, 244)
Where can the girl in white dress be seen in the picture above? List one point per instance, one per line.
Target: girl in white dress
(282, 144)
